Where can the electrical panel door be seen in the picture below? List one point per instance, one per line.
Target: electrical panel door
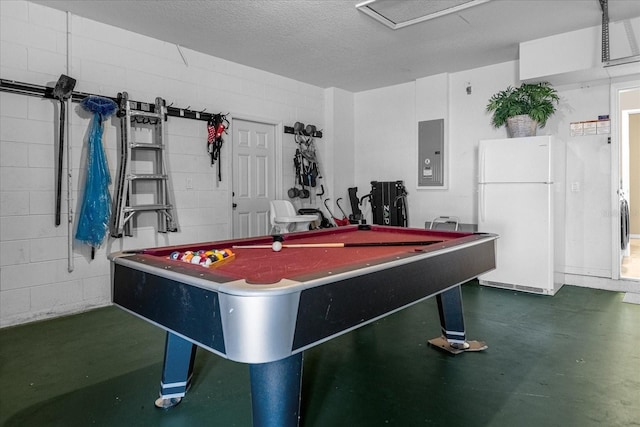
(431, 153)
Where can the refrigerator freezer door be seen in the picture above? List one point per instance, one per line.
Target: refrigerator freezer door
(515, 160)
(521, 215)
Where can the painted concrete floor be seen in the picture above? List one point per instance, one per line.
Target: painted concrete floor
(568, 360)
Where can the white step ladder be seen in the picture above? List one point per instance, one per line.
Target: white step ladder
(136, 116)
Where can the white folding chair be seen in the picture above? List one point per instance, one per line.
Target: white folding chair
(284, 218)
(447, 222)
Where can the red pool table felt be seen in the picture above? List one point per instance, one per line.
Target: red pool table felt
(265, 266)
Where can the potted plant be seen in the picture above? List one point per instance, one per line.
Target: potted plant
(524, 108)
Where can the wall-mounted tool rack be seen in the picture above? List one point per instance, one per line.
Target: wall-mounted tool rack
(22, 88)
(131, 112)
(29, 89)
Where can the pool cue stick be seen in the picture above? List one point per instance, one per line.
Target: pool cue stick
(339, 245)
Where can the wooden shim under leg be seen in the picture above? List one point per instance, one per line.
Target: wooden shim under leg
(442, 343)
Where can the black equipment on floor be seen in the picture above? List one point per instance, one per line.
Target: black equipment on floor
(324, 221)
(389, 203)
(356, 215)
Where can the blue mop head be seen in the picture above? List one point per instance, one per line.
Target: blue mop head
(99, 105)
(93, 220)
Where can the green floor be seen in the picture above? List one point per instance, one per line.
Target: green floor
(568, 360)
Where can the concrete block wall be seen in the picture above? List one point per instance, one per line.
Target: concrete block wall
(35, 281)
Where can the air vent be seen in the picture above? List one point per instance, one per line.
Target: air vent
(397, 14)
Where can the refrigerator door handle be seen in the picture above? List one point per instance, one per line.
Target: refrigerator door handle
(481, 202)
(482, 164)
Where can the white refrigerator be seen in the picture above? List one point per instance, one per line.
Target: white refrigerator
(521, 193)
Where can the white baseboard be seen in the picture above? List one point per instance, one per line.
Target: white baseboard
(631, 287)
(631, 298)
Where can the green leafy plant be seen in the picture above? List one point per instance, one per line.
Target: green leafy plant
(537, 100)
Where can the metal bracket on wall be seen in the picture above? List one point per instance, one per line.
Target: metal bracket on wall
(606, 49)
(316, 134)
(30, 89)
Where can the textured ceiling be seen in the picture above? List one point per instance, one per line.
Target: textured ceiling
(328, 43)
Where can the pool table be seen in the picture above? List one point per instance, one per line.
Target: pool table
(264, 307)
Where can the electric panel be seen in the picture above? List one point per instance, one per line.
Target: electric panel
(431, 153)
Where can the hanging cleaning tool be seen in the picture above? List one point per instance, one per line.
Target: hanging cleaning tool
(62, 91)
(96, 203)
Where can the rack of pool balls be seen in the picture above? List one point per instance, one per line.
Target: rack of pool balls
(204, 258)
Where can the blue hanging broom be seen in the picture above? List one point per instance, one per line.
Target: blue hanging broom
(96, 203)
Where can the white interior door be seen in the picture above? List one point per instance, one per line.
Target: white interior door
(254, 178)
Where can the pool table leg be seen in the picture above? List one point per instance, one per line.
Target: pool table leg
(452, 317)
(275, 392)
(179, 355)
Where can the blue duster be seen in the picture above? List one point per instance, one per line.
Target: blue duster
(94, 216)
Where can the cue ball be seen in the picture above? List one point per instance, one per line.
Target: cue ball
(276, 246)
